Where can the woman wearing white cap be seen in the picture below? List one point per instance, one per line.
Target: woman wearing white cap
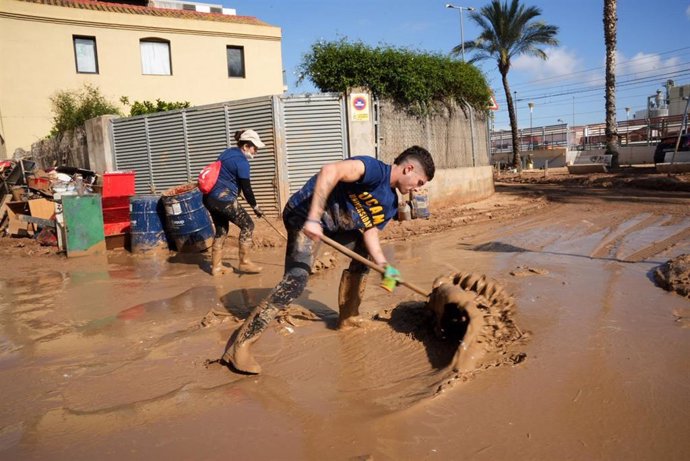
(221, 201)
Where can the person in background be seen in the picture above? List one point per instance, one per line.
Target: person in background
(349, 201)
(222, 203)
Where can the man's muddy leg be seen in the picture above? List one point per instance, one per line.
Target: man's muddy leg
(299, 256)
(352, 282)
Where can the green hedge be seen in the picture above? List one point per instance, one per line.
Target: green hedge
(413, 80)
(71, 108)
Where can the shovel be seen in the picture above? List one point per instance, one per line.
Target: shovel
(371, 265)
(444, 296)
(451, 305)
(357, 257)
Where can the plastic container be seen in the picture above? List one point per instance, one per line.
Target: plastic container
(186, 218)
(115, 215)
(404, 212)
(147, 218)
(420, 204)
(118, 183)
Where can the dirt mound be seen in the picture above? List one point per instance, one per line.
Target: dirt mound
(674, 275)
(630, 177)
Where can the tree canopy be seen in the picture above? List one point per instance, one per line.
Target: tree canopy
(508, 31)
(413, 80)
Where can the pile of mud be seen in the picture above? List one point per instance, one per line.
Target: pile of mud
(638, 178)
(466, 327)
(674, 275)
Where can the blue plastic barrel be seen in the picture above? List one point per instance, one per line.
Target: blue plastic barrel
(147, 215)
(186, 219)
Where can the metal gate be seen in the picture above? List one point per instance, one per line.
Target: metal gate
(315, 134)
(301, 134)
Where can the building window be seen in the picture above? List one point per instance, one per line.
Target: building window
(236, 61)
(85, 55)
(155, 57)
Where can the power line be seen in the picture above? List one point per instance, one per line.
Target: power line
(531, 82)
(640, 74)
(632, 82)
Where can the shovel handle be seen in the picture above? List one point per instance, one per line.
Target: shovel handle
(357, 257)
(274, 227)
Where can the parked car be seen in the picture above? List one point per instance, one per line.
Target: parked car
(668, 144)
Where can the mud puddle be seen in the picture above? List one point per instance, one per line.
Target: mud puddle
(111, 361)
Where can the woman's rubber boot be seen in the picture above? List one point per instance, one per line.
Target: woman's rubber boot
(350, 294)
(217, 257)
(246, 266)
(239, 354)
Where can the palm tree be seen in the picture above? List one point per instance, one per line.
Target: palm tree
(507, 32)
(610, 23)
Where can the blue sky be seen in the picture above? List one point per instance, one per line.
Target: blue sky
(653, 46)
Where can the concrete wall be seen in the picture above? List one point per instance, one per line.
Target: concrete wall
(38, 59)
(628, 155)
(448, 135)
(66, 149)
(461, 185)
(99, 143)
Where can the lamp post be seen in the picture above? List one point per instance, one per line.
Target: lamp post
(462, 35)
(531, 139)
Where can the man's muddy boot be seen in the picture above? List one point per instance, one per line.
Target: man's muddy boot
(246, 265)
(350, 294)
(217, 257)
(238, 354)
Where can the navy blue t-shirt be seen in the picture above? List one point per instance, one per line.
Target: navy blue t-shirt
(369, 202)
(234, 166)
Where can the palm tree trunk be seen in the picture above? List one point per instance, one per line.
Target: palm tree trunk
(610, 23)
(513, 121)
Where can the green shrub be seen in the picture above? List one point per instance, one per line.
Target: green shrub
(74, 107)
(413, 80)
(148, 107)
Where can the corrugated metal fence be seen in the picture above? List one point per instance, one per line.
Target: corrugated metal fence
(301, 133)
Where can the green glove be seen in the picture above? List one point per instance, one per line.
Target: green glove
(391, 278)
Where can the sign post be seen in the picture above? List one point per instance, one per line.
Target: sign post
(359, 103)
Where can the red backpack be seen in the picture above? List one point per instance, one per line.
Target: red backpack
(208, 177)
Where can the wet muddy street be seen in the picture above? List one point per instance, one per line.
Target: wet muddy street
(114, 358)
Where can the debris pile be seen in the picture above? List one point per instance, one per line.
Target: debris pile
(674, 275)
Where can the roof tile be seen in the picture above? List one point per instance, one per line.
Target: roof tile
(145, 10)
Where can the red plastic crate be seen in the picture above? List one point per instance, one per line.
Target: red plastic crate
(110, 203)
(115, 228)
(115, 215)
(118, 183)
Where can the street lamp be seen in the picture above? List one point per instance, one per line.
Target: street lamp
(462, 35)
(531, 138)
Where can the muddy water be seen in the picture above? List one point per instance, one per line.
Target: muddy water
(109, 359)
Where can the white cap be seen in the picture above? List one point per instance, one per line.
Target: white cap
(253, 137)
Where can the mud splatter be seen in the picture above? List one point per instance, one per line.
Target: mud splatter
(674, 275)
(478, 310)
(525, 271)
(466, 327)
(324, 261)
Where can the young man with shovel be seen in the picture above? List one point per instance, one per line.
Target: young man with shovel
(348, 201)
